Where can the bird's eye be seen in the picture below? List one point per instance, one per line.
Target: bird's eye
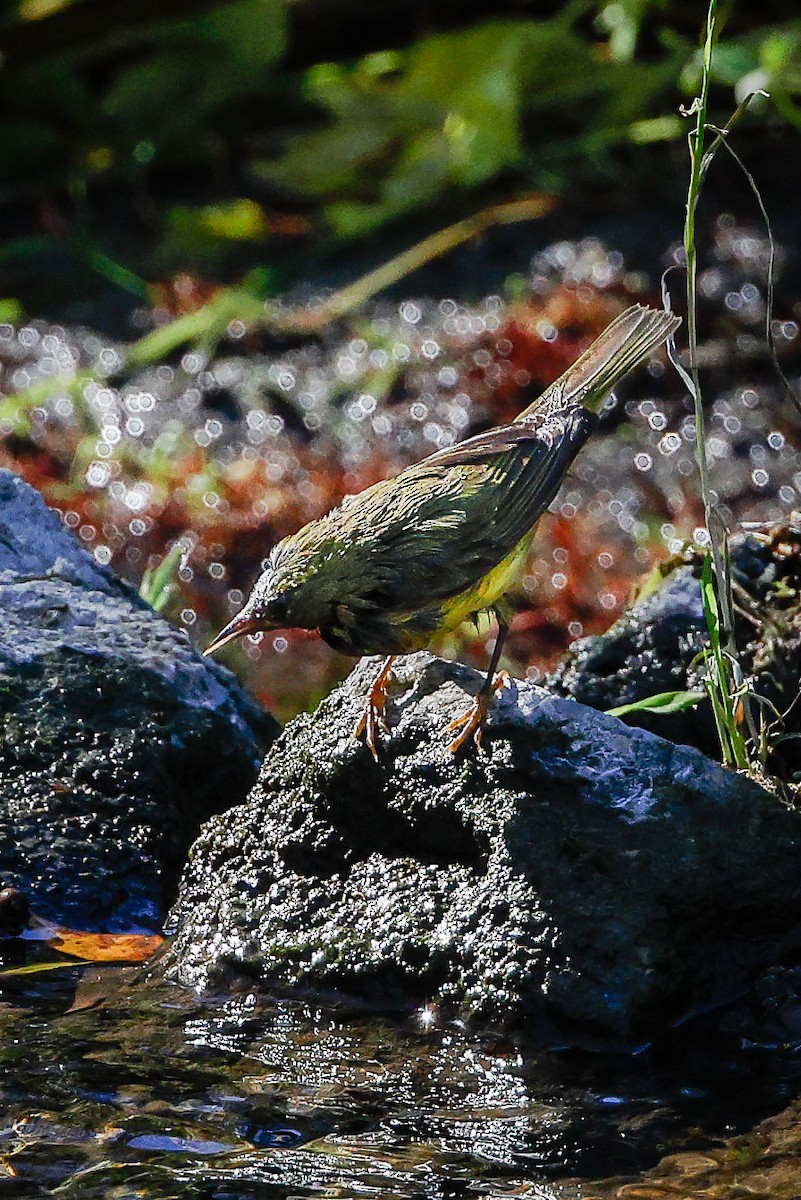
(276, 608)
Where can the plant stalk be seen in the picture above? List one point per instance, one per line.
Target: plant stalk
(691, 257)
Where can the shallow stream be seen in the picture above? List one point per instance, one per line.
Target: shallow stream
(115, 1086)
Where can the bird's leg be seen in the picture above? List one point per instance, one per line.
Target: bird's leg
(372, 719)
(471, 723)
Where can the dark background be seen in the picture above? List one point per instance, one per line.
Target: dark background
(273, 141)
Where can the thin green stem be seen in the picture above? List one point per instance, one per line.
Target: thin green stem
(716, 576)
(693, 193)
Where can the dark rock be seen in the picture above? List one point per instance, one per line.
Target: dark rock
(15, 910)
(118, 740)
(581, 877)
(654, 646)
(649, 650)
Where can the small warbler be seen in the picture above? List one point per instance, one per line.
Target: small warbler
(442, 542)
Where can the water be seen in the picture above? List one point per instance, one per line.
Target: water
(116, 1086)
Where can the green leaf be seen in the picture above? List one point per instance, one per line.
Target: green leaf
(479, 79)
(158, 582)
(662, 702)
(253, 32)
(710, 599)
(732, 60)
(406, 128)
(196, 68)
(779, 55)
(656, 129)
(10, 310)
(208, 236)
(39, 968)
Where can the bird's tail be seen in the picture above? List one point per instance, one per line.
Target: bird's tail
(592, 376)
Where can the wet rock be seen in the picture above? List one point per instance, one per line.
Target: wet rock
(118, 740)
(647, 651)
(14, 912)
(654, 646)
(763, 1164)
(582, 879)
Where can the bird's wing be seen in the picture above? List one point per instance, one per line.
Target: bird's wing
(524, 466)
(471, 504)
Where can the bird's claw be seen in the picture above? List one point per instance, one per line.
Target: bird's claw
(372, 719)
(369, 723)
(471, 724)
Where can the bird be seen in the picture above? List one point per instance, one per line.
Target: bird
(442, 542)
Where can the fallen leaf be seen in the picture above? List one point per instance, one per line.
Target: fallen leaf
(37, 968)
(106, 947)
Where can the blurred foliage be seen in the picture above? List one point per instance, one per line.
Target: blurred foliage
(142, 140)
(159, 582)
(454, 112)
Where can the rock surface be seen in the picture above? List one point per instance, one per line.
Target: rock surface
(654, 646)
(582, 879)
(648, 650)
(764, 1164)
(118, 740)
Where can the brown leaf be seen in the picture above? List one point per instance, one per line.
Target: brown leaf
(106, 947)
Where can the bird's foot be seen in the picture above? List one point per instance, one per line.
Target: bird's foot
(372, 719)
(369, 723)
(471, 724)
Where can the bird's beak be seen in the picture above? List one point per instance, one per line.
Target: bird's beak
(241, 625)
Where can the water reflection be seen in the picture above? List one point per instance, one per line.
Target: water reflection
(114, 1087)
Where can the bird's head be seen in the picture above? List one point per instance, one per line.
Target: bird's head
(267, 607)
(283, 597)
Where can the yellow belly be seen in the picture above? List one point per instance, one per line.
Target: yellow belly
(488, 590)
